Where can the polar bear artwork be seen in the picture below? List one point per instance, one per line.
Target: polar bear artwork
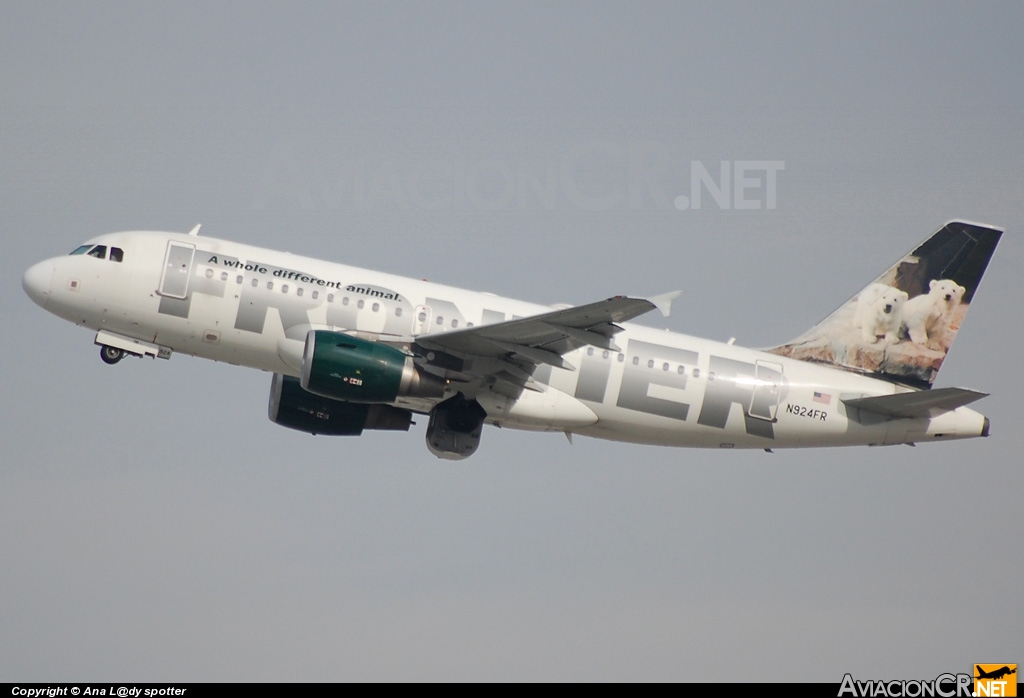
(902, 325)
(927, 318)
(880, 312)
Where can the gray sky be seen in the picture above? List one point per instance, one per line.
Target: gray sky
(154, 526)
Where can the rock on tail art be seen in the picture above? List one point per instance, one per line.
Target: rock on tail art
(901, 326)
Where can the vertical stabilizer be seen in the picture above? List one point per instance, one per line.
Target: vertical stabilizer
(901, 326)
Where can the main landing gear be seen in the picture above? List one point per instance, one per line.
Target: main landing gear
(111, 355)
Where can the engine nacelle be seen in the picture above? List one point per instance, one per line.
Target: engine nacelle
(295, 408)
(455, 426)
(348, 368)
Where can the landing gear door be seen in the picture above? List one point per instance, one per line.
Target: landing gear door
(767, 390)
(177, 269)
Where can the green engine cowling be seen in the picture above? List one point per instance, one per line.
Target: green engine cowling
(343, 367)
(295, 408)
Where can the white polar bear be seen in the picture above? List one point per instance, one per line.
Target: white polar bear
(927, 317)
(879, 312)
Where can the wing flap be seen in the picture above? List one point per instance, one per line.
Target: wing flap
(585, 337)
(533, 354)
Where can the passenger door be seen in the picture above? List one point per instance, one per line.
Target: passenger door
(764, 404)
(177, 269)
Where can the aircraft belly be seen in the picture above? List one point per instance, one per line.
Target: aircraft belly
(551, 410)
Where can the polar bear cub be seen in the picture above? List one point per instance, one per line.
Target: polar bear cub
(927, 317)
(879, 312)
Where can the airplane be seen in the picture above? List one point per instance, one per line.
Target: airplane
(352, 349)
(995, 674)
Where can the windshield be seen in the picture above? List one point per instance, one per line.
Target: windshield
(100, 252)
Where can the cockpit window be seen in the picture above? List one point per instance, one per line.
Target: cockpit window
(116, 254)
(82, 250)
(99, 252)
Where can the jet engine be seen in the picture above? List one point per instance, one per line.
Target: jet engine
(348, 368)
(295, 408)
(453, 432)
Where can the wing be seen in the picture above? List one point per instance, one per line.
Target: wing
(509, 351)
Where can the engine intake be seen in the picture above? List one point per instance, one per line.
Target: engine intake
(348, 368)
(295, 408)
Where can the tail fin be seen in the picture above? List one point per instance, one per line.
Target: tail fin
(901, 326)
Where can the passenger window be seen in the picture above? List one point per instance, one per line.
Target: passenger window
(398, 312)
(116, 254)
(360, 304)
(316, 294)
(376, 307)
(284, 288)
(255, 283)
(99, 252)
(298, 291)
(270, 285)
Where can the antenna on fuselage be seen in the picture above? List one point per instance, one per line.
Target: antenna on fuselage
(195, 231)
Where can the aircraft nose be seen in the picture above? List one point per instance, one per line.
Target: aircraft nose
(37, 281)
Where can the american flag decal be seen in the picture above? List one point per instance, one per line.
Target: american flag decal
(823, 398)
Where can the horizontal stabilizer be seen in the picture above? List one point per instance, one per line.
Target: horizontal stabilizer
(917, 404)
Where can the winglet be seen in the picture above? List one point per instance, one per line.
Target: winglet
(195, 231)
(663, 302)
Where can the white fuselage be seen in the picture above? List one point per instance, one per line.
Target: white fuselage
(253, 307)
